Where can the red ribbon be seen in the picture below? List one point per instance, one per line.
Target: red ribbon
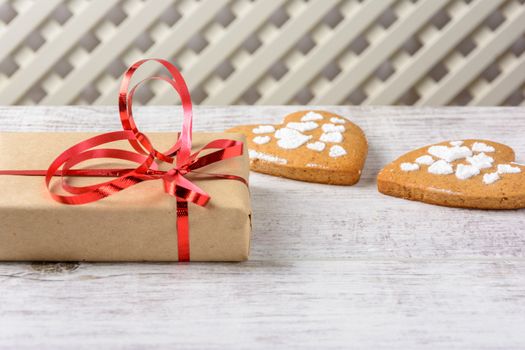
(146, 156)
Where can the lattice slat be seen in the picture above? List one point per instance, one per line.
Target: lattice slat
(489, 46)
(358, 17)
(508, 81)
(188, 26)
(275, 45)
(109, 49)
(228, 39)
(435, 47)
(59, 42)
(23, 25)
(422, 52)
(386, 43)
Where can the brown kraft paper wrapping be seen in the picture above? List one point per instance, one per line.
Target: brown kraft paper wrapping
(138, 224)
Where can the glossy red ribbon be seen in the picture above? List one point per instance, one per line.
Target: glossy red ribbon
(146, 156)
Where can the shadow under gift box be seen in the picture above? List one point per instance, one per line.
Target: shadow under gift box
(137, 224)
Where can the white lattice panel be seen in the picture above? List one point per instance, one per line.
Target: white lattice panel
(421, 52)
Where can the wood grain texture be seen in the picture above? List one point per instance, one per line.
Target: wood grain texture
(261, 305)
(331, 267)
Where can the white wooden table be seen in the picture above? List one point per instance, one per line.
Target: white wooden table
(331, 267)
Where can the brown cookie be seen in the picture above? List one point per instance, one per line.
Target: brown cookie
(314, 146)
(468, 174)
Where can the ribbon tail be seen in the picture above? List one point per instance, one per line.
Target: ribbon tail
(183, 231)
(221, 176)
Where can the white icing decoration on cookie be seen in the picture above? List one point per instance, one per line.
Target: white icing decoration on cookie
(508, 169)
(333, 128)
(464, 172)
(450, 154)
(302, 126)
(481, 161)
(441, 167)
(315, 165)
(425, 160)
(473, 166)
(336, 120)
(482, 147)
(409, 166)
(263, 129)
(490, 178)
(316, 146)
(443, 190)
(337, 151)
(290, 138)
(261, 140)
(334, 137)
(266, 157)
(310, 116)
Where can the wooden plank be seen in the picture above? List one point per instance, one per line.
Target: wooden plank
(354, 268)
(261, 305)
(343, 222)
(391, 131)
(105, 53)
(434, 51)
(358, 222)
(52, 51)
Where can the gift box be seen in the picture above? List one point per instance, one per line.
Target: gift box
(116, 197)
(138, 224)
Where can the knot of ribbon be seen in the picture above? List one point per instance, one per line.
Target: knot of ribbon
(180, 157)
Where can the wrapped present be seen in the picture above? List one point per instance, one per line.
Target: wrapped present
(116, 197)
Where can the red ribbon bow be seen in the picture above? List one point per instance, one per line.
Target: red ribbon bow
(146, 156)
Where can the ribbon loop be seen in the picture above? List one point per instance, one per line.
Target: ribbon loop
(142, 145)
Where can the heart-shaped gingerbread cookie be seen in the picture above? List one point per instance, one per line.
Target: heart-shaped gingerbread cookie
(314, 146)
(468, 174)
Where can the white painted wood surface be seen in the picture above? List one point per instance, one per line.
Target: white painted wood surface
(331, 267)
